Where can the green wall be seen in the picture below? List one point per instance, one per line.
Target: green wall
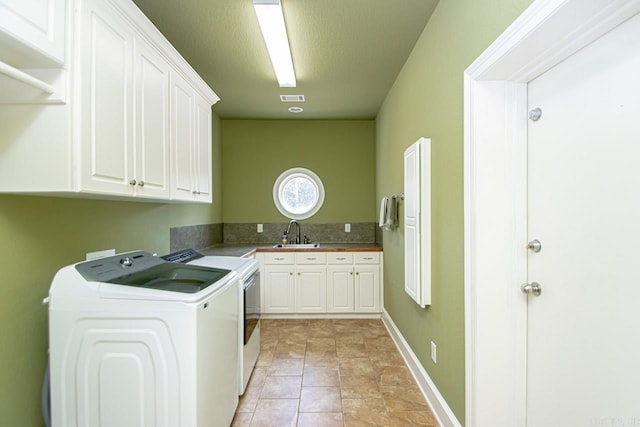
(427, 100)
(340, 152)
(41, 234)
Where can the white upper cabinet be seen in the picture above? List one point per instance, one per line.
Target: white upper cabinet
(151, 106)
(125, 107)
(106, 97)
(203, 155)
(32, 32)
(137, 122)
(417, 221)
(33, 50)
(191, 143)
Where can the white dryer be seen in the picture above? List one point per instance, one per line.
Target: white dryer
(248, 269)
(138, 341)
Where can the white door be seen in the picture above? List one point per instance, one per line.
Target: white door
(584, 208)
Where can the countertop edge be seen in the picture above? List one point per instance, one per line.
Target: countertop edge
(249, 250)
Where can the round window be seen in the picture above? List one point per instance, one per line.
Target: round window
(298, 193)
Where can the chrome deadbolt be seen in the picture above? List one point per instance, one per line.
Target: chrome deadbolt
(535, 114)
(535, 245)
(532, 288)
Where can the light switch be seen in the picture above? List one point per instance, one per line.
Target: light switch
(347, 228)
(433, 352)
(259, 228)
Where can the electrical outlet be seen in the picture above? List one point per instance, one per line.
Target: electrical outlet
(347, 228)
(433, 352)
(260, 229)
(100, 254)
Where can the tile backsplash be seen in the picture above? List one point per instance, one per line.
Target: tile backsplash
(361, 232)
(202, 236)
(194, 236)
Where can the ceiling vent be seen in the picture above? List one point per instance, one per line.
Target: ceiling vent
(292, 98)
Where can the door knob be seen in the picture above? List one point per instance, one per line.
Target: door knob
(535, 245)
(532, 288)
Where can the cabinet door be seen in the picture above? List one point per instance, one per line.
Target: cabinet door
(182, 137)
(152, 122)
(278, 289)
(202, 149)
(412, 221)
(340, 289)
(106, 100)
(311, 289)
(367, 289)
(36, 24)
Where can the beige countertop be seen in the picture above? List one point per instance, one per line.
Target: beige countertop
(248, 249)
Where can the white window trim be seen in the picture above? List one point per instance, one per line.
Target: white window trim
(286, 175)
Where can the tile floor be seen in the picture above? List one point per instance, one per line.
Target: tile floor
(325, 373)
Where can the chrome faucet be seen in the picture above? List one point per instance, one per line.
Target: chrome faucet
(288, 230)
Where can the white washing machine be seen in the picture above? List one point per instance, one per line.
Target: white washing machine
(248, 269)
(138, 341)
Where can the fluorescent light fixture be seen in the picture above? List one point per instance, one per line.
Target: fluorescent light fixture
(274, 32)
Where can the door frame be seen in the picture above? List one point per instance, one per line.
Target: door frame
(495, 194)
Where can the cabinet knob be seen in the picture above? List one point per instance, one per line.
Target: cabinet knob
(298, 274)
(141, 183)
(291, 274)
(133, 182)
(351, 273)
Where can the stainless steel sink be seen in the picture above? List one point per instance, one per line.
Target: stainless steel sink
(297, 246)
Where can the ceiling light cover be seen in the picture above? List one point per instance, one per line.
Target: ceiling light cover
(295, 110)
(274, 32)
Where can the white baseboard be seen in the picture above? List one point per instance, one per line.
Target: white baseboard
(299, 316)
(444, 415)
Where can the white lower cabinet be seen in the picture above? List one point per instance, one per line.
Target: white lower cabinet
(278, 289)
(311, 289)
(367, 289)
(340, 289)
(321, 282)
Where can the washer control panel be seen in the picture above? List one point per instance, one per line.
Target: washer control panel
(108, 268)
